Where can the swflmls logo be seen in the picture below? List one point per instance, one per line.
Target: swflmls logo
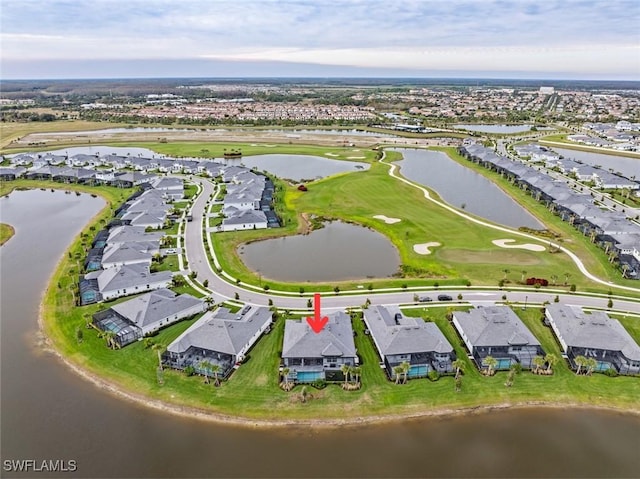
(32, 465)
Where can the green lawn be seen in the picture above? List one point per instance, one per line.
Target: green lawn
(6, 232)
(466, 254)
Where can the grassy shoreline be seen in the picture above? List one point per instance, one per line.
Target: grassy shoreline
(252, 397)
(6, 233)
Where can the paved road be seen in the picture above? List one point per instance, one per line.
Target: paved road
(225, 289)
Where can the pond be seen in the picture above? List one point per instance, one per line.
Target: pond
(494, 128)
(302, 167)
(337, 252)
(463, 188)
(102, 150)
(109, 131)
(49, 413)
(622, 164)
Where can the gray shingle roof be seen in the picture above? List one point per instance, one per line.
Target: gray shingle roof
(153, 307)
(596, 330)
(406, 335)
(246, 217)
(129, 234)
(335, 339)
(222, 331)
(127, 276)
(494, 326)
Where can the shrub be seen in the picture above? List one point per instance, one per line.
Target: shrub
(612, 373)
(433, 375)
(189, 370)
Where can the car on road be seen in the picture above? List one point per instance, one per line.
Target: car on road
(424, 299)
(444, 297)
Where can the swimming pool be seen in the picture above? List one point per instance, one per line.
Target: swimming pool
(309, 376)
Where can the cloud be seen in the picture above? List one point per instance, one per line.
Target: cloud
(353, 32)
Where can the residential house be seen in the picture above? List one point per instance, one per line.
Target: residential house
(138, 317)
(312, 356)
(219, 337)
(399, 339)
(244, 220)
(125, 280)
(120, 254)
(496, 331)
(594, 335)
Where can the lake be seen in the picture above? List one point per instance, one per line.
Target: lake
(463, 188)
(50, 413)
(337, 252)
(627, 166)
(494, 128)
(301, 167)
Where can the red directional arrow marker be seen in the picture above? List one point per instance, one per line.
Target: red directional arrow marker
(317, 323)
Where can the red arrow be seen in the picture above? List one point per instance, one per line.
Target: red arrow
(317, 323)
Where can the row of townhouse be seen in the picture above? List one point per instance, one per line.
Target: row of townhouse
(600, 177)
(618, 235)
(224, 338)
(119, 261)
(117, 162)
(248, 200)
(66, 174)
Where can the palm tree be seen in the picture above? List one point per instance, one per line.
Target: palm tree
(215, 369)
(397, 371)
(346, 369)
(524, 273)
(581, 362)
(491, 363)
(591, 364)
(551, 359)
(538, 361)
(206, 366)
(356, 371)
(303, 394)
(159, 348)
(110, 338)
(458, 384)
(406, 367)
(510, 377)
(285, 376)
(506, 272)
(458, 364)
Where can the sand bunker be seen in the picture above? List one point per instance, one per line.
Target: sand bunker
(387, 220)
(356, 157)
(331, 154)
(502, 243)
(423, 248)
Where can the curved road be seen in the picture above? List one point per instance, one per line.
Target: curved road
(224, 287)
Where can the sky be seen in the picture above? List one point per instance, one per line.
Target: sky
(546, 39)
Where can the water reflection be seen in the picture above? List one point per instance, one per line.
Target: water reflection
(337, 252)
(464, 188)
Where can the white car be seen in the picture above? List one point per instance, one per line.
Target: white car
(171, 251)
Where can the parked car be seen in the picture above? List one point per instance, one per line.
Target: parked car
(444, 297)
(424, 299)
(171, 251)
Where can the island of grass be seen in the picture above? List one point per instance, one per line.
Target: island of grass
(252, 394)
(6, 232)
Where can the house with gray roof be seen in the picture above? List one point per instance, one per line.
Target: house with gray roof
(171, 187)
(244, 220)
(148, 219)
(131, 234)
(594, 335)
(125, 280)
(9, 174)
(312, 356)
(138, 317)
(129, 253)
(219, 337)
(496, 331)
(399, 338)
